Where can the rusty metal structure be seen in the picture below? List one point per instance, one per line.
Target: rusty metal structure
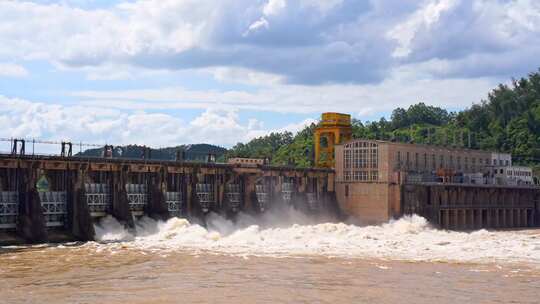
(54, 198)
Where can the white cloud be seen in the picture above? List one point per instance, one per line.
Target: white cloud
(322, 5)
(244, 76)
(187, 34)
(304, 42)
(273, 7)
(97, 124)
(406, 85)
(405, 32)
(91, 37)
(296, 127)
(305, 56)
(257, 25)
(12, 70)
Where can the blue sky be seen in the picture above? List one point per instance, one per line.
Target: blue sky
(167, 72)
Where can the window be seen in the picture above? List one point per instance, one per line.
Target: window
(363, 161)
(408, 160)
(507, 162)
(347, 159)
(425, 161)
(374, 175)
(363, 176)
(374, 157)
(441, 161)
(323, 142)
(434, 162)
(416, 161)
(359, 157)
(356, 158)
(347, 190)
(459, 162)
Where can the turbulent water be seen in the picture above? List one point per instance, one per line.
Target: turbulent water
(409, 238)
(283, 257)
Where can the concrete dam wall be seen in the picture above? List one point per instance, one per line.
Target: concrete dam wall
(468, 207)
(49, 199)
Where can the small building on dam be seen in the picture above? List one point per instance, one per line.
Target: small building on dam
(55, 198)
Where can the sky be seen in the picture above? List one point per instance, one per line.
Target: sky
(170, 72)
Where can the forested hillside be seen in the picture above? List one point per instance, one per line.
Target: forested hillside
(198, 152)
(508, 121)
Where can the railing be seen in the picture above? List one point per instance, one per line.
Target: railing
(263, 197)
(98, 198)
(205, 194)
(9, 209)
(415, 178)
(54, 208)
(175, 204)
(137, 196)
(312, 202)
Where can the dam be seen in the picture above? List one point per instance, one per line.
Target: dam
(59, 198)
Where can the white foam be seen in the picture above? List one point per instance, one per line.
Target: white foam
(109, 229)
(409, 238)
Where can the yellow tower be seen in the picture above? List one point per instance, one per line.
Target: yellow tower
(334, 128)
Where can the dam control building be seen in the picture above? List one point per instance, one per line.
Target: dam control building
(453, 188)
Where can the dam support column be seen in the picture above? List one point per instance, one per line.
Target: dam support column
(157, 207)
(31, 219)
(189, 184)
(81, 223)
(120, 203)
(329, 198)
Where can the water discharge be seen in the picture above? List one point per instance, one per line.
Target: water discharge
(291, 234)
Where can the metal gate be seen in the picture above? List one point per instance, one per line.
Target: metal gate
(175, 204)
(137, 196)
(9, 209)
(54, 208)
(233, 195)
(205, 194)
(287, 190)
(98, 199)
(312, 202)
(262, 196)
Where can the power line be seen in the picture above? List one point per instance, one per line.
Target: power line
(50, 142)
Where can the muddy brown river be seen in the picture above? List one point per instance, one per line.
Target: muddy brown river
(178, 262)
